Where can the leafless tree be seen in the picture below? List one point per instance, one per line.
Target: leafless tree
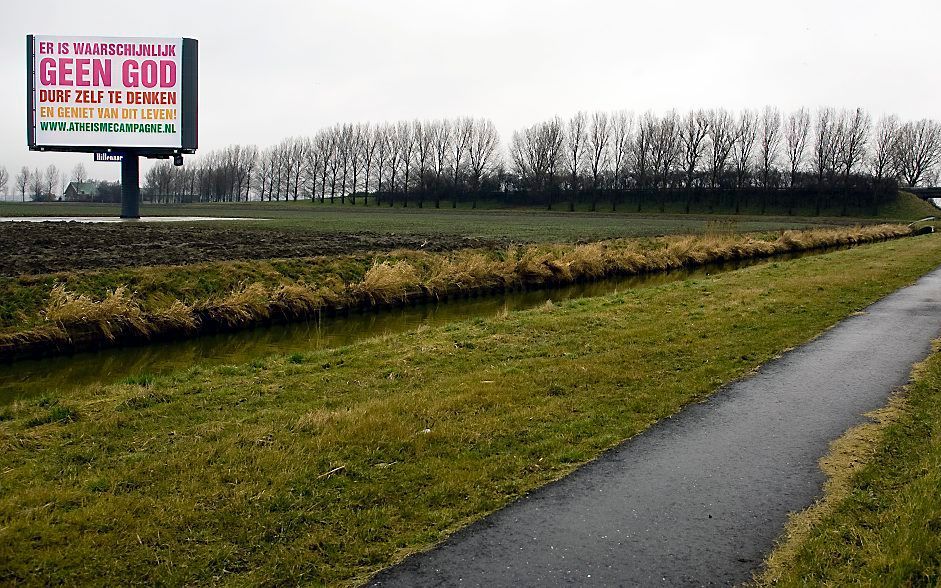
(335, 159)
(918, 150)
(827, 137)
(856, 127)
(694, 129)
(536, 153)
(441, 145)
(621, 135)
(665, 148)
(52, 181)
(599, 139)
(36, 184)
(79, 174)
(722, 132)
(246, 162)
(323, 146)
(576, 140)
(382, 157)
(344, 155)
(745, 136)
(311, 168)
(4, 181)
(406, 140)
(481, 153)
(460, 138)
(796, 132)
(883, 147)
(298, 147)
(395, 145)
(424, 139)
(369, 145)
(159, 182)
(268, 162)
(357, 140)
(769, 140)
(22, 182)
(641, 150)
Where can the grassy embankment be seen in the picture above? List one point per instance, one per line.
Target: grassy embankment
(879, 523)
(327, 466)
(78, 310)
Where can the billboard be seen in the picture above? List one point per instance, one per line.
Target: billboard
(97, 94)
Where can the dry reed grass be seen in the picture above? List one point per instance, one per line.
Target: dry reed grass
(77, 320)
(388, 283)
(247, 305)
(111, 316)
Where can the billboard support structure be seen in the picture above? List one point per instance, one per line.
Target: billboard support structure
(130, 185)
(129, 96)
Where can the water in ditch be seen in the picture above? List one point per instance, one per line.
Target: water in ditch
(58, 375)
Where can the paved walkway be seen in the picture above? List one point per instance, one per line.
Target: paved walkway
(698, 499)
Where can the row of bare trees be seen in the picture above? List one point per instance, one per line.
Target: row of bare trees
(45, 185)
(417, 161)
(36, 184)
(719, 149)
(584, 157)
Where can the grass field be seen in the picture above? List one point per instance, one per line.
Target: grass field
(881, 526)
(326, 466)
(518, 225)
(907, 206)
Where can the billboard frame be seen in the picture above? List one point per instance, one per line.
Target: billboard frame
(189, 109)
(130, 155)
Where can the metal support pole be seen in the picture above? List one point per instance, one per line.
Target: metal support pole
(130, 186)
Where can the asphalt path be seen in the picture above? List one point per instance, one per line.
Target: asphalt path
(697, 499)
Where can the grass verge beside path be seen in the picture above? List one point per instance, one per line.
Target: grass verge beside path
(80, 310)
(327, 466)
(881, 526)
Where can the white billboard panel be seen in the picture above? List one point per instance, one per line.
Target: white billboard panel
(117, 92)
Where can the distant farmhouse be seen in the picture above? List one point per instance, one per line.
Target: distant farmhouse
(81, 191)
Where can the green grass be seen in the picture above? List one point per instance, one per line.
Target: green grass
(329, 465)
(529, 225)
(907, 206)
(887, 529)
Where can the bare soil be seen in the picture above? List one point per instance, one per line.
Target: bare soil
(36, 248)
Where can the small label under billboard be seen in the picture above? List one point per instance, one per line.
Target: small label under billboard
(91, 92)
(107, 156)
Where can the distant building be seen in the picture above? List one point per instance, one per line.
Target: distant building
(81, 191)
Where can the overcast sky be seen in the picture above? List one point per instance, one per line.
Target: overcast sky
(272, 69)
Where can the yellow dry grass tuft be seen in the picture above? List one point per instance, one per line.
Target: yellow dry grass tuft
(535, 266)
(589, 261)
(296, 300)
(178, 316)
(388, 283)
(115, 314)
(467, 270)
(247, 305)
